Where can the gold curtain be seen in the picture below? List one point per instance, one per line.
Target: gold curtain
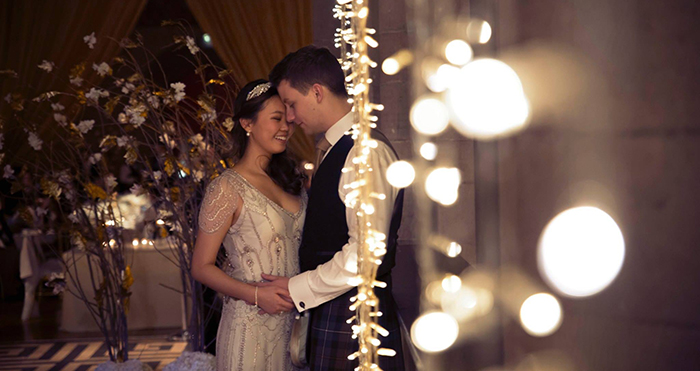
(37, 30)
(251, 36)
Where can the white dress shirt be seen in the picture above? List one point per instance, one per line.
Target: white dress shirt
(330, 280)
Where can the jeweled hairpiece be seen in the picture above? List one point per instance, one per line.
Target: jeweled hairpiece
(258, 90)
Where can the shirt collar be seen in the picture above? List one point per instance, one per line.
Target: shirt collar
(335, 132)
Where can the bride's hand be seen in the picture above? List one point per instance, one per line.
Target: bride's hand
(271, 300)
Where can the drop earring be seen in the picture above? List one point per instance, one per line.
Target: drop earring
(247, 133)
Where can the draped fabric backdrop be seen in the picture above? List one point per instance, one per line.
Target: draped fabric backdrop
(252, 36)
(37, 30)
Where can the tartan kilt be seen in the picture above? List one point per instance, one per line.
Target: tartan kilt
(330, 337)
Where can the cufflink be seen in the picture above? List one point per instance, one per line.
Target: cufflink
(302, 305)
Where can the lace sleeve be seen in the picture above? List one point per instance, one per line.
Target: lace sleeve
(219, 204)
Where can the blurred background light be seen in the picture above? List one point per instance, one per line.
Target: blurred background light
(458, 52)
(486, 100)
(429, 115)
(541, 314)
(400, 174)
(478, 31)
(434, 331)
(442, 185)
(428, 151)
(581, 251)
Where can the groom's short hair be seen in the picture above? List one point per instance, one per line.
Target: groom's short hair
(308, 66)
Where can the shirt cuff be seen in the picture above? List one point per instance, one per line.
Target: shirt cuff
(300, 291)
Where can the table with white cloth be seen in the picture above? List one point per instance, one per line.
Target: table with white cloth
(152, 304)
(32, 268)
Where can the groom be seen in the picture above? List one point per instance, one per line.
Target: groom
(310, 82)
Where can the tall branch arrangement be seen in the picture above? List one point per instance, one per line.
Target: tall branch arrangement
(173, 138)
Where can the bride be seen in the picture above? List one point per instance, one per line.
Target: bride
(257, 210)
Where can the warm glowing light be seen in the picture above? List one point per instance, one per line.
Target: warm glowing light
(581, 251)
(309, 166)
(112, 243)
(467, 303)
(453, 249)
(479, 31)
(458, 52)
(391, 66)
(110, 222)
(135, 242)
(541, 314)
(429, 115)
(434, 292)
(400, 174)
(144, 241)
(451, 283)
(429, 151)
(206, 38)
(442, 185)
(486, 100)
(160, 222)
(434, 331)
(441, 79)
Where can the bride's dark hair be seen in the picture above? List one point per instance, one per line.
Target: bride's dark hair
(283, 169)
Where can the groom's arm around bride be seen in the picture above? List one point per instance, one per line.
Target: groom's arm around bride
(311, 84)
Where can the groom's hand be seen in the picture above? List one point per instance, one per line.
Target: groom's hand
(278, 281)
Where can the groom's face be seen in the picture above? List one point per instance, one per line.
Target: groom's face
(300, 109)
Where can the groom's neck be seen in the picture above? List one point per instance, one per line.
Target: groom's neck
(336, 112)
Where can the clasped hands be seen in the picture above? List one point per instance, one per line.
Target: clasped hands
(273, 295)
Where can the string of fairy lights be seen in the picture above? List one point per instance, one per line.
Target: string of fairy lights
(354, 39)
(483, 99)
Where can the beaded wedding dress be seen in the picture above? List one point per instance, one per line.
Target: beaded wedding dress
(264, 239)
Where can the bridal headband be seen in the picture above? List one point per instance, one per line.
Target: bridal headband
(257, 90)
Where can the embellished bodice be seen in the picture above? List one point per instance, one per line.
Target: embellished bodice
(264, 239)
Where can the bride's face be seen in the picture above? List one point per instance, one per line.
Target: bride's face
(271, 131)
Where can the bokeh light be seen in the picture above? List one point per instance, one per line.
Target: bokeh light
(581, 251)
(458, 52)
(541, 314)
(428, 151)
(486, 100)
(442, 185)
(451, 283)
(479, 31)
(442, 77)
(453, 249)
(391, 66)
(429, 115)
(467, 302)
(434, 331)
(400, 174)
(206, 39)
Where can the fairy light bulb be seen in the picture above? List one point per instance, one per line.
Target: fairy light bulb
(453, 249)
(479, 31)
(486, 100)
(541, 314)
(442, 185)
(581, 251)
(434, 331)
(391, 66)
(441, 78)
(458, 52)
(400, 174)
(428, 151)
(451, 283)
(429, 115)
